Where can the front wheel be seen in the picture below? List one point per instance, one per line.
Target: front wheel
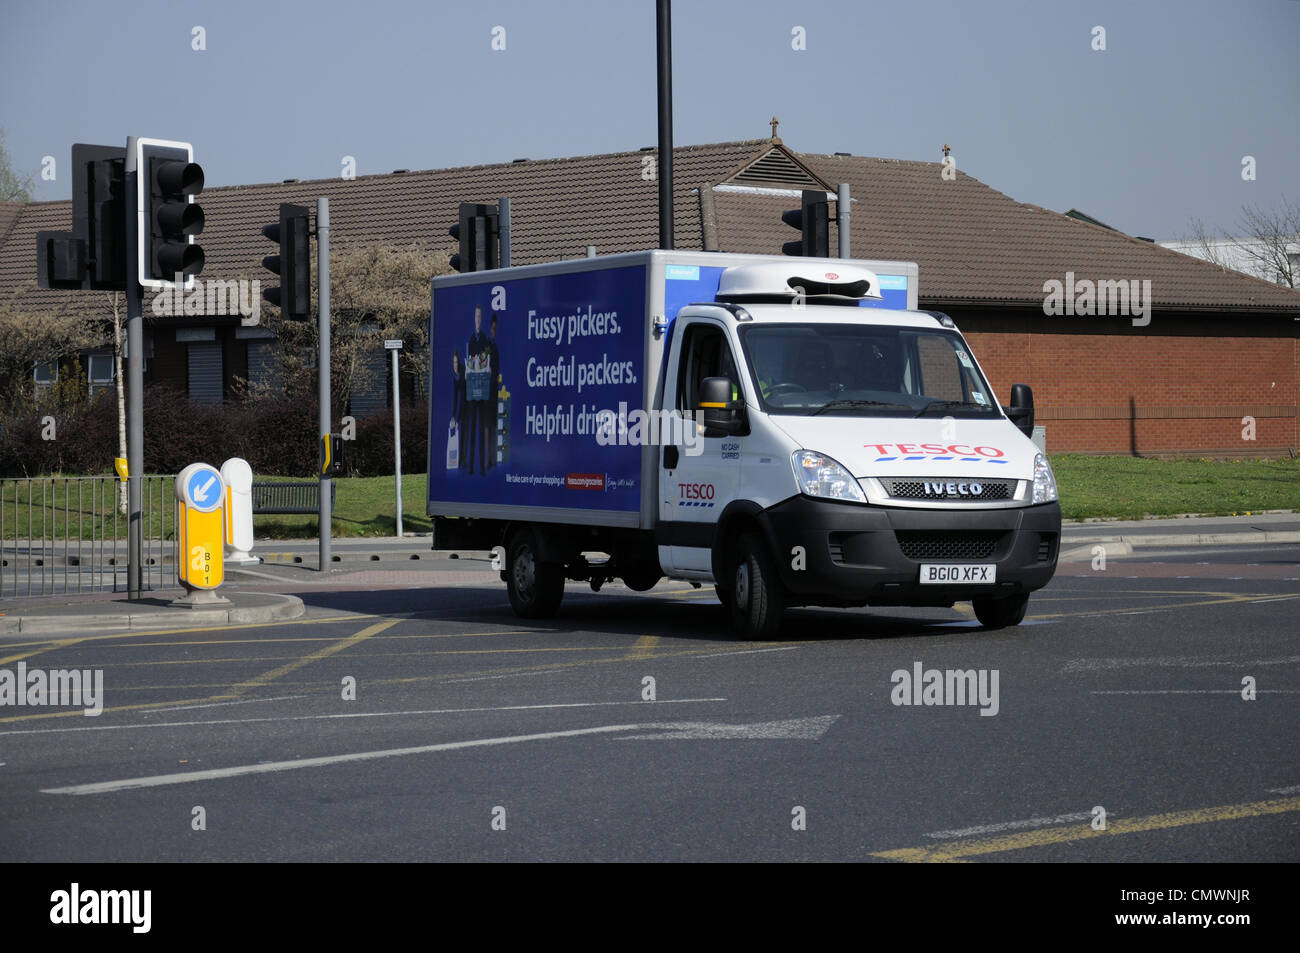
(535, 587)
(757, 596)
(1000, 613)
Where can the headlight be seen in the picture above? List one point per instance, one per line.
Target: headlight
(1044, 480)
(818, 475)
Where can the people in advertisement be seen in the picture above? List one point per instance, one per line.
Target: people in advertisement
(459, 408)
(479, 393)
(494, 367)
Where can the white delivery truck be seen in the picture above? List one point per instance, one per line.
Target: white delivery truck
(790, 430)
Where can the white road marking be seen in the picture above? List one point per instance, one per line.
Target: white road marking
(1196, 691)
(360, 714)
(269, 767)
(786, 648)
(810, 729)
(1294, 789)
(1014, 825)
(1169, 661)
(807, 728)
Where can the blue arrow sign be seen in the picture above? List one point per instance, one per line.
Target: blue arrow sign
(203, 489)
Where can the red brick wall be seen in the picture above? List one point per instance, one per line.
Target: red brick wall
(1174, 394)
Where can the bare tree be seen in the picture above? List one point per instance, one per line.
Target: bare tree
(32, 336)
(115, 306)
(14, 185)
(1266, 243)
(376, 292)
(1271, 241)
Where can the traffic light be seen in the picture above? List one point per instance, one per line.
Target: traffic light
(479, 233)
(167, 180)
(813, 221)
(92, 256)
(293, 234)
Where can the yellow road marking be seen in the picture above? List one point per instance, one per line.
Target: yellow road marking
(309, 638)
(146, 633)
(49, 647)
(643, 647)
(234, 691)
(974, 847)
(261, 681)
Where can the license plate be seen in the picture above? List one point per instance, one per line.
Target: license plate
(947, 574)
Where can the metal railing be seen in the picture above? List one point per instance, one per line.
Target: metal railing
(61, 535)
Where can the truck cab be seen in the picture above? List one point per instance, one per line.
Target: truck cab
(846, 456)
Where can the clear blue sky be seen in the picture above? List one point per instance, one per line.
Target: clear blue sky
(1143, 136)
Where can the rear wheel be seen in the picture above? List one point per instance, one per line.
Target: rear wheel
(1000, 613)
(757, 597)
(535, 587)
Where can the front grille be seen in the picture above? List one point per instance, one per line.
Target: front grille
(915, 489)
(946, 544)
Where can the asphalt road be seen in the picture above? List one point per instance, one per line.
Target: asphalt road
(474, 735)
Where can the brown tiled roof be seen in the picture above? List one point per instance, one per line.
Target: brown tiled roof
(973, 243)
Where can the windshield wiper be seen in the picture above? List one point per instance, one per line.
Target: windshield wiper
(949, 405)
(841, 404)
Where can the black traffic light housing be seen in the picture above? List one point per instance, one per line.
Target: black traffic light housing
(92, 257)
(812, 219)
(167, 181)
(479, 233)
(293, 264)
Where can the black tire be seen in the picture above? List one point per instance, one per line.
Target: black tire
(1000, 613)
(535, 587)
(757, 598)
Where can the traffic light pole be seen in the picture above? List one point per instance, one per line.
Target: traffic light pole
(134, 388)
(323, 353)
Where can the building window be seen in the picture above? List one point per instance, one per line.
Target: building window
(99, 372)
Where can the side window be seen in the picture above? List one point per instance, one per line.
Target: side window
(705, 353)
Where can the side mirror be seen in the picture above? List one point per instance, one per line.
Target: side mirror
(1021, 410)
(722, 415)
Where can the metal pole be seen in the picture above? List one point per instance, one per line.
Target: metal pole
(503, 225)
(842, 204)
(664, 34)
(134, 383)
(591, 251)
(397, 441)
(323, 352)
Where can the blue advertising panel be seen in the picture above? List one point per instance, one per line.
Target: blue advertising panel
(521, 371)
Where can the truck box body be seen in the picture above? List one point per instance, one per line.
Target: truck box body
(791, 430)
(572, 338)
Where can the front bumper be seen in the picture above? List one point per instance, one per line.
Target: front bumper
(870, 555)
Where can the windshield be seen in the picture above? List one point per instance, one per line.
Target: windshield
(865, 370)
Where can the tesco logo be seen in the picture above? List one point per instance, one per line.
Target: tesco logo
(960, 449)
(696, 491)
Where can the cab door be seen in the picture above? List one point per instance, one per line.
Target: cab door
(700, 475)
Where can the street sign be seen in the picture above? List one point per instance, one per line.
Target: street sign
(200, 526)
(392, 345)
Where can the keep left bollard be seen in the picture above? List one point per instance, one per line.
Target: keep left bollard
(200, 535)
(238, 478)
